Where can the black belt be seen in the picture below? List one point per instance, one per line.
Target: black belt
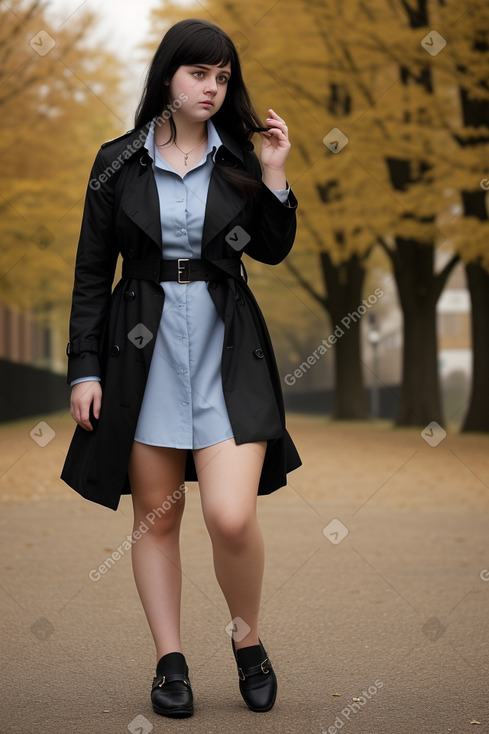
(183, 270)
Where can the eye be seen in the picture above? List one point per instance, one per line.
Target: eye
(223, 79)
(198, 74)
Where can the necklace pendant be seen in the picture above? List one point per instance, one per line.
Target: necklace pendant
(186, 159)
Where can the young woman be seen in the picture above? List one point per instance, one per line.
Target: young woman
(173, 375)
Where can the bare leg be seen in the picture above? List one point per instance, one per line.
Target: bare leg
(156, 475)
(228, 479)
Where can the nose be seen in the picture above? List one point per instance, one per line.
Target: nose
(211, 86)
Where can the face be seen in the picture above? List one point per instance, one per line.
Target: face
(204, 85)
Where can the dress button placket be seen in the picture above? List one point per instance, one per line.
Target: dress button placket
(184, 351)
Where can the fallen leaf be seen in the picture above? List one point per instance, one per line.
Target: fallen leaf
(336, 694)
(475, 722)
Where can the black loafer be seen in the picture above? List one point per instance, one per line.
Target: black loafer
(171, 694)
(257, 683)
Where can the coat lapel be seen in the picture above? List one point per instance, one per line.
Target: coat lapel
(224, 202)
(141, 204)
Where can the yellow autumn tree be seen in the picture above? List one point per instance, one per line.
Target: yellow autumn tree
(58, 101)
(380, 108)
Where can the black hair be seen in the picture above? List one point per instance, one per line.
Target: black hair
(197, 41)
(191, 42)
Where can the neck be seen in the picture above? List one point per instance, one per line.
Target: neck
(188, 134)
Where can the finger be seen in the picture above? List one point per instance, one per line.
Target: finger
(85, 417)
(97, 404)
(278, 127)
(273, 114)
(81, 415)
(276, 122)
(277, 137)
(275, 118)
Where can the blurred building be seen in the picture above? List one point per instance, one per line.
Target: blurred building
(22, 339)
(454, 339)
(29, 367)
(383, 343)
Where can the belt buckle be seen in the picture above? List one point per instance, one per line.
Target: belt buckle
(182, 265)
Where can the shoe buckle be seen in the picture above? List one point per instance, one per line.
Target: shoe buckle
(241, 675)
(160, 685)
(263, 669)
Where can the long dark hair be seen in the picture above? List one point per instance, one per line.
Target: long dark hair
(191, 42)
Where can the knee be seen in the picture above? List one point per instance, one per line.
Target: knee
(234, 531)
(161, 520)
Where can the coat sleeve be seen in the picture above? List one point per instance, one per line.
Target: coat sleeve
(96, 260)
(275, 223)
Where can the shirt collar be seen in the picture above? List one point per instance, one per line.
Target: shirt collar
(214, 141)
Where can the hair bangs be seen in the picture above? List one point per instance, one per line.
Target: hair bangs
(205, 46)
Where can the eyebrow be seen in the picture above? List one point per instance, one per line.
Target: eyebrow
(209, 66)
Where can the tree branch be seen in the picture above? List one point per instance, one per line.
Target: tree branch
(442, 277)
(322, 300)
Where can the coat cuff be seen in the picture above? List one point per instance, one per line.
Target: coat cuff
(282, 198)
(83, 365)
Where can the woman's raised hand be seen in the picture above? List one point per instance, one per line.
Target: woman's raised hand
(274, 151)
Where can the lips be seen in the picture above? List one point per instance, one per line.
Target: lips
(207, 103)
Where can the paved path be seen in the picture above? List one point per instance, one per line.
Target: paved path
(387, 605)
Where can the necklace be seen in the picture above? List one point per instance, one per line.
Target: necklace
(185, 155)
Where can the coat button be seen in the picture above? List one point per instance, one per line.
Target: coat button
(213, 284)
(115, 351)
(130, 253)
(129, 295)
(259, 353)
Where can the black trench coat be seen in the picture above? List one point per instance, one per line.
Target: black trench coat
(121, 216)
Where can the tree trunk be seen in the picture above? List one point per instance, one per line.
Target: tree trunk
(477, 418)
(420, 399)
(475, 113)
(344, 286)
(419, 289)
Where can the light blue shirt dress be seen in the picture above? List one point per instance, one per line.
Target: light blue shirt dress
(183, 405)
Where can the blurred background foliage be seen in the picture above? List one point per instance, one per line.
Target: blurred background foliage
(56, 109)
(402, 203)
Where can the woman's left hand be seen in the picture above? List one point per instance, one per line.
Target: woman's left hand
(276, 145)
